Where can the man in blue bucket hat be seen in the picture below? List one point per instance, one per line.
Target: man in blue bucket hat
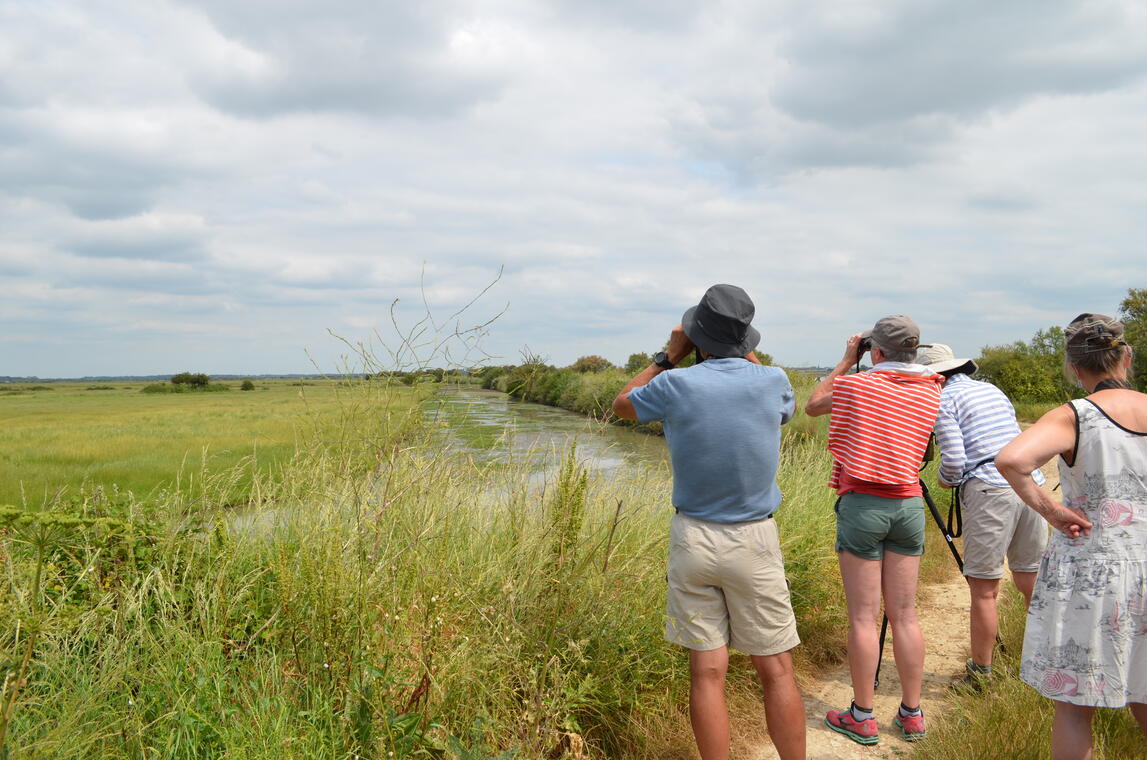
(722, 419)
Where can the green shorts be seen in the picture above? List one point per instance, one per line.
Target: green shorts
(868, 525)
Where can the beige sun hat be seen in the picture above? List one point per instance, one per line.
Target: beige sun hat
(939, 358)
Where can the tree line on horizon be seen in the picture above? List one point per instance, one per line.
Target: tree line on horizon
(1028, 372)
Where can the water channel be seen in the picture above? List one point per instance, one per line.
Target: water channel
(495, 427)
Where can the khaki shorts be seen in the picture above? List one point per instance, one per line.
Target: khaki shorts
(868, 525)
(998, 523)
(727, 587)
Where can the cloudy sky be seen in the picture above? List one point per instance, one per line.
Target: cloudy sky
(227, 186)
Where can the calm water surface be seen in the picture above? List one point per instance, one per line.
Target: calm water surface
(492, 426)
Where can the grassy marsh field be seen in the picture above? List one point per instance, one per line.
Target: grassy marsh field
(80, 437)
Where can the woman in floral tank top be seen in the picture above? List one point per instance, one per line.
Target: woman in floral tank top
(1085, 645)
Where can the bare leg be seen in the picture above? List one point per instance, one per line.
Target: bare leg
(707, 710)
(1139, 710)
(862, 592)
(984, 622)
(1025, 582)
(1071, 732)
(784, 710)
(900, 574)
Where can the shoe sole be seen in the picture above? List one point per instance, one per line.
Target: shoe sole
(907, 736)
(855, 737)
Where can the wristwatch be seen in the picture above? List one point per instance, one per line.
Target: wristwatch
(661, 359)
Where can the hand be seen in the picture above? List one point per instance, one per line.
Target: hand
(850, 349)
(942, 484)
(1071, 522)
(679, 345)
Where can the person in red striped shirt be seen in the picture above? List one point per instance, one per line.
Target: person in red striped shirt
(881, 422)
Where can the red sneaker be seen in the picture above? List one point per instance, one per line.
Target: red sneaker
(861, 731)
(911, 725)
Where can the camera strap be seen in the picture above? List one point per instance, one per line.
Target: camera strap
(955, 510)
(956, 514)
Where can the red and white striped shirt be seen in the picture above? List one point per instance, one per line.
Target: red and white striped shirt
(881, 421)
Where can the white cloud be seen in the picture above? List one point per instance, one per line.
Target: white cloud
(266, 170)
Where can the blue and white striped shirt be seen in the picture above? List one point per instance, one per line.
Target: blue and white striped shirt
(975, 421)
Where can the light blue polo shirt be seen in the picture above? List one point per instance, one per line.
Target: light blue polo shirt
(722, 421)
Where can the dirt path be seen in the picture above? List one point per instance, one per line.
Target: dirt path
(943, 620)
(943, 611)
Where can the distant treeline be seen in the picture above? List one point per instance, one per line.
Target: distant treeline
(430, 374)
(1031, 372)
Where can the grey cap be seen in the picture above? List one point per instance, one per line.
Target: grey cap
(940, 359)
(895, 333)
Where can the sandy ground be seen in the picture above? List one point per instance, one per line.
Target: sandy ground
(943, 611)
(943, 620)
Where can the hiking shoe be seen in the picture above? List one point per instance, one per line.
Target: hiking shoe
(861, 731)
(974, 679)
(912, 726)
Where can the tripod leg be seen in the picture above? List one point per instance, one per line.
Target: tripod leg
(940, 524)
(880, 656)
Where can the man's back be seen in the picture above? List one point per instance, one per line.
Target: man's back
(722, 423)
(976, 420)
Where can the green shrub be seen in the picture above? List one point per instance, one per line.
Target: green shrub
(594, 393)
(247, 385)
(1133, 313)
(161, 388)
(591, 363)
(554, 385)
(637, 362)
(1029, 372)
(193, 379)
(527, 381)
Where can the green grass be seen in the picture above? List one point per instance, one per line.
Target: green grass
(403, 603)
(80, 438)
(377, 596)
(1028, 412)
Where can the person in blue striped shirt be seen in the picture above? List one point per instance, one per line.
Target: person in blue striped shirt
(975, 421)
